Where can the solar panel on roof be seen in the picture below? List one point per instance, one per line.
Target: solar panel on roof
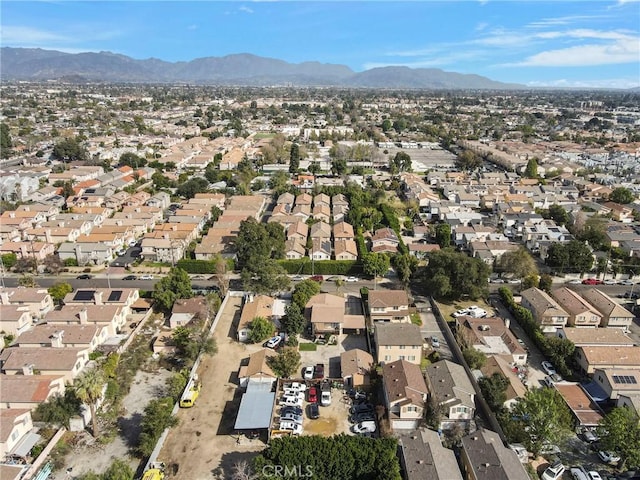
(114, 296)
(624, 379)
(83, 295)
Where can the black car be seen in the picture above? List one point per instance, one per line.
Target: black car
(130, 277)
(290, 409)
(318, 371)
(84, 276)
(362, 417)
(361, 408)
(313, 411)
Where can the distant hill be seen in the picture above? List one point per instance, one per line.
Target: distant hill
(240, 69)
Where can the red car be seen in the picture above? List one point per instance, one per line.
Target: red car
(317, 278)
(312, 395)
(592, 281)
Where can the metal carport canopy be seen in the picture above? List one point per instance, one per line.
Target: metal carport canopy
(256, 407)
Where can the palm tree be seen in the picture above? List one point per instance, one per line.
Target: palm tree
(88, 388)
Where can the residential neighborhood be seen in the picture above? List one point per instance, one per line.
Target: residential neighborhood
(240, 268)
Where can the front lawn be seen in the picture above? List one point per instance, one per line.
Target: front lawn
(307, 347)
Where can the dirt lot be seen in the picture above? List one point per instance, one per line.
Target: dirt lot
(203, 445)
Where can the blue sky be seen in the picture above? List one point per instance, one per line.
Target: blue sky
(560, 43)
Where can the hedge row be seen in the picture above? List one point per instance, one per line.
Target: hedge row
(391, 219)
(525, 318)
(197, 266)
(304, 266)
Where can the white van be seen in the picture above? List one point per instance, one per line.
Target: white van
(293, 427)
(364, 427)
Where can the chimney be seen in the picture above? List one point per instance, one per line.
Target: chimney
(4, 297)
(166, 236)
(56, 339)
(27, 369)
(507, 322)
(83, 316)
(97, 298)
(47, 235)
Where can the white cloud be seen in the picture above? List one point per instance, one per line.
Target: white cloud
(622, 51)
(566, 20)
(245, 9)
(192, 27)
(603, 83)
(19, 36)
(481, 26)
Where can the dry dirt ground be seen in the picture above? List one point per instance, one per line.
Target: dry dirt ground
(204, 444)
(90, 456)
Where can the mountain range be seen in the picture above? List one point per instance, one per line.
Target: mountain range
(244, 69)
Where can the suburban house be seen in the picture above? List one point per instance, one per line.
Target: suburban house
(185, 310)
(389, 306)
(491, 336)
(590, 358)
(67, 362)
(581, 313)
(355, 367)
(483, 456)
(73, 336)
(516, 389)
(29, 391)
(345, 249)
(405, 394)
(320, 230)
(451, 389)
(326, 313)
(601, 337)
(298, 231)
(294, 249)
(586, 412)
(321, 212)
(16, 436)
(613, 314)
(384, 240)
(616, 382)
(398, 341)
(256, 369)
(547, 313)
(343, 230)
(254, 306)
(14, 320)
(320, 249)
(422, 456)
(110, 317)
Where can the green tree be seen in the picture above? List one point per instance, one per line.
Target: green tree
(118, 470)
(265, 277)
(303, 291)
(451, 275)
(619, 432)
(157, 417)
(59, 290)
(279, 183)
(5, 141)
(581, 256)
(59, 409)
(67, 189)
(89, 387)
(192, 186)
(386, 125)
(543, 417)
(519, 263)
(25, 265)
(132, 160)
(286, 363)
(8, 260)
(474, 358)
(375, 264)
(53, 264)
(546, 282)
(531, 170)
(339, 166)
(443, 234)
(176, 384)
(558, 214)
(177, 284)
(260, 329)
(70, 150)
(494, 390)
(468, 160)
(404, 265)
(530, 281)
(622, 195)
(293, 321)
(294, 158)
(257, 242)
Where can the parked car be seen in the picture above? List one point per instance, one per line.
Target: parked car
(291, 417)
(325, 398)
(294, 410)
(84, 276)
(312, 395)
(548, 368)
(351, 279)
(362, 417)
(589, 436)
(307, 372)
(313, 411)
(521, 452)
(551, 380)
(361, 408)
(593, 475)
(579, 473)
(608, 457)
(625, 282)
(293, 394)
(365, 427)
(318, 371)
(435, 343)
(146, 277)
(610, 281)
(273, 342)
(592, 281)
(549, 449)
(289, 401)
(317, 278)
(300, 387)
(293, 427)
(496, 280)
(130, 277)
(554, 471)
